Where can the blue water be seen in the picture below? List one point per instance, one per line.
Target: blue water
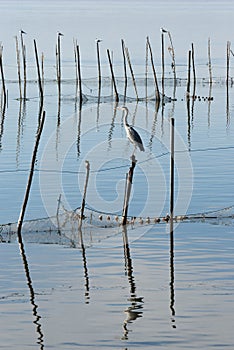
(175, 303)
(177, 298)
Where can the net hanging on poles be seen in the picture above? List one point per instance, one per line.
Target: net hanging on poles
(97, 226)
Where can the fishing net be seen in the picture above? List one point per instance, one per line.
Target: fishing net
(99, 227)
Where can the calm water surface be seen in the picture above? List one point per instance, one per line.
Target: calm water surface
(141, 299)
(152, 293)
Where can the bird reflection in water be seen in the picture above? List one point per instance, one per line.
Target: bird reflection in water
(134, 310)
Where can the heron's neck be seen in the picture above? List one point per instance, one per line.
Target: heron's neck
(125, 118)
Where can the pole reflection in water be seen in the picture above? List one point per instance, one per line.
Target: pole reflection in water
(37, 317)
(209, 102)
(112, 126)
(86, 274)
(153, 129)
(81, 235)
(227, 107)
(189, 122)
(2, 115)
(172, 274)
(79, 132)
(58, 126)
(134, 310)
(20, 128)
(98, 112)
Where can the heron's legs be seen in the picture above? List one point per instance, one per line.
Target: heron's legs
(134, 150)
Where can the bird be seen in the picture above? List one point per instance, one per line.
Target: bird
(163, 30)
(132, 134)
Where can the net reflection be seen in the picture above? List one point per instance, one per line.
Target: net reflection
(134, 310)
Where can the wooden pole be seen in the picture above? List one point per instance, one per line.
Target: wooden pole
(146, 69)
(227, 82)
(75, 56)
(113, 76)
(99, 64)
(163, 63)
(79, 74)
(58, 63)
(189, 70)
(18, 66)
(30, 178)
(20, 238)
(42, 72)
(57, 214)
(23, 48)
(172, 52)
(128, 190)
(59, 59)
(38, 71)
(57, 70)
(3, 81)
(84, 194)
(131, 70)
(172, 168)
(194, 71)
(157, 93)
(228, 61)
(209, 62)
(125, 68)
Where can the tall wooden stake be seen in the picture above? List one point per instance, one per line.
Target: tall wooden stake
(209, 61)
(38, 72)
(125, 68)
(157, 94)
(128, 190)
(58, 63)
(194, 71)
(189, 71)
(131, 70)
(3, 82)
(99, 65)
(75, 57)
(227, 81)
(23, 48)
(84, 194)
(163, 64)
(18, 66)
(30, 178)
(146, 69)
(79, 74)
(172, 53)
(113, 76)
(228, 61)
(172, 168)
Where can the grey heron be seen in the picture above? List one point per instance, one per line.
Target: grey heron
(132, 134)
